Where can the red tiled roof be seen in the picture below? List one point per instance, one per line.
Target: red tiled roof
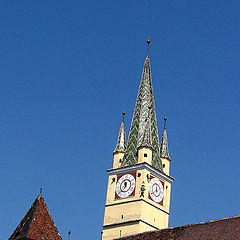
(222, 229)
(37, 224)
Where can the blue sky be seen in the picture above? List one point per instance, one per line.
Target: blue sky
(67, 71)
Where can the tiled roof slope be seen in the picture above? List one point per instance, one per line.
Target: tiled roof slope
(37, 224)
(222, 229)
(145, 100)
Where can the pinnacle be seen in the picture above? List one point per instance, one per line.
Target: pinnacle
(121, 142)
(164, 143)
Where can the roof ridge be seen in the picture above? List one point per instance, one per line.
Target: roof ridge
(142, 235)
(199, 223)
(211, 221)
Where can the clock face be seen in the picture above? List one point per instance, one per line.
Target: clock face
(125, 186)
(156, 190)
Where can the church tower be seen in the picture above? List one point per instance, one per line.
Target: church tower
(139, 184)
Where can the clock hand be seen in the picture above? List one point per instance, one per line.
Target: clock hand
(125, 185)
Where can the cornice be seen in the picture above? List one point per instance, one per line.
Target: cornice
(136, 200)
(129, 222)
(141, 166)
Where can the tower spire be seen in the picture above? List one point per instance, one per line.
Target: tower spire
(121, 142)
(144, 100)
(164, 143)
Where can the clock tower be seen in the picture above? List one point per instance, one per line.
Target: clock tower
(139, 184)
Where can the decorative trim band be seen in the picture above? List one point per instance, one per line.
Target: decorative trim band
(141, 166)
(130, 221)
(136, 200)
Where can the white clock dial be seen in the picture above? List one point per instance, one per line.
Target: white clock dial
(156, 190)
(125, 185)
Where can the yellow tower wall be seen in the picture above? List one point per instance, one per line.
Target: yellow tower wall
(126, 229)
(166, 165)
(141, 155)
(124, 212)
(135, 214)
(117, 159)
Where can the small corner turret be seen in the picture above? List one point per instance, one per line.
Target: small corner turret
(164, 154)
(120, 148)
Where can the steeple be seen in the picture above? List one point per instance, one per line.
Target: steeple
(139, 124)
(37, 224)
(139, 184)
(121, 142)
(164, 143)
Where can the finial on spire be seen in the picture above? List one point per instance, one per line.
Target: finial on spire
(123, 113)
(41, 190)
(148, 42)
(69, 233)
(165, 120)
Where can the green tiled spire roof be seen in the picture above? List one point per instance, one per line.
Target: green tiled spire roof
(146, 140)
(144, 108)
(121, 142)
(164, 143)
